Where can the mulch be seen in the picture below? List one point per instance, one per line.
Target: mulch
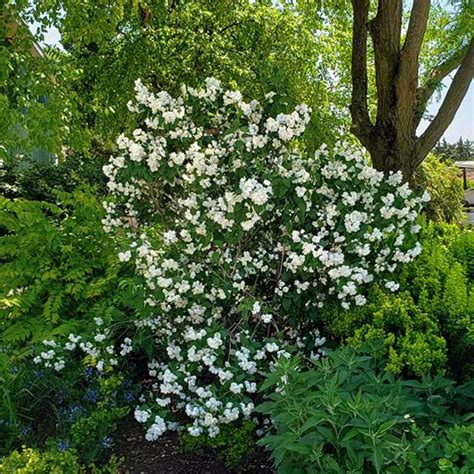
(165, 457)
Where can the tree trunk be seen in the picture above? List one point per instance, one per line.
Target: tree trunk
(389, 156)
(392, 141)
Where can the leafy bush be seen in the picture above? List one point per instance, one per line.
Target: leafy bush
(442, 181)
(59, 269)
(347, 416)
(429, 325)
(53, 461)
(41, 180)
(92, 434)
(30, 461)
(59, 275)
(239, 237)
(232, 444)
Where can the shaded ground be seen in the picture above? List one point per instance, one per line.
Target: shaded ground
(164, 456)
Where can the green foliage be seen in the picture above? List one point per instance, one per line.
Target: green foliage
(59, 271)
(258, 46)
(428, 325)
(20, 394)
(347, 416)
(59, 268)
(67, 99)
(462, 247)
(31, 461)
(442, 181)
(411, 337)
(41, 180)
(87, 434)
(232, 444)
(75, 408)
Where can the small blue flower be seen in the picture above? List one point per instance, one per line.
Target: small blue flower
(106, 442)
(129, 397)
(71, 414)
(91, 395)
(25, 430)
(63, 445)
(89, 372)
(39, 373)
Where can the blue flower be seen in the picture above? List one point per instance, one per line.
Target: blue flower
(91, 395)
(63, 445)
(106, 442)
(89, 372)
(39, 373)
(25, 430)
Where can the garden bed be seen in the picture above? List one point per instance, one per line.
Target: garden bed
(165, 456)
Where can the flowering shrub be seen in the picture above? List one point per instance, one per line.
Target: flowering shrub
(240, 238)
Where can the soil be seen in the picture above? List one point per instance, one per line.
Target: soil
(165, 457)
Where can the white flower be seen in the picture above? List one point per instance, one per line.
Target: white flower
(58, 366)
(142, 415)
(392, 286)
(300, 191)
(214, 342)
(271, 347)
(266, 318)
(125, 256)
(235, 387)
(195, 430)
(156, 429)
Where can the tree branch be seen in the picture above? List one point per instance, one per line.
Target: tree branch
(450, 105)
(361, 126)
(435, 77)
(416, 31)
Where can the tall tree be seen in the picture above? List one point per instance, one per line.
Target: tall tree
(390, 135)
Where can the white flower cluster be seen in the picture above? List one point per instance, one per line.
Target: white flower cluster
(240, 237)
(99, 351)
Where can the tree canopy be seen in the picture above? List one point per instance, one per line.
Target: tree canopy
(302, 50)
